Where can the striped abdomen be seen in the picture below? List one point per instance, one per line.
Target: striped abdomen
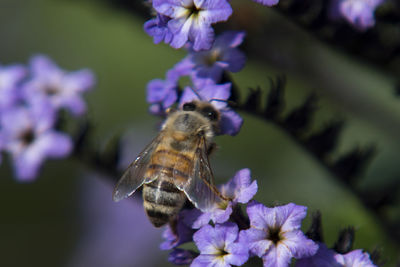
(162, 200)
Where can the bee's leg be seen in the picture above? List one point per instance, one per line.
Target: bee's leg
(213, 147)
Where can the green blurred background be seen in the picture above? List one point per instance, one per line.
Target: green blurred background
(40, 222)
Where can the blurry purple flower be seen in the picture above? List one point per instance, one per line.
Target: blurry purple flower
(182, 234)
(29, 137)
(240, 189)
(157, 28)
(219, 246)
(10, 76)
(359, 13)
(116, 235)
(324, 257)
(182, 256)
(161, 94)
(223, 55)
(191, 20)
(64, 89)
(275, 234)
(218, 95)
(354, 258)
(267, 2)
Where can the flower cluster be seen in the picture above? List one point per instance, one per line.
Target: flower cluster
(205, 70)
(30, 99)
(272, 234)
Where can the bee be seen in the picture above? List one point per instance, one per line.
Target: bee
(175, 166)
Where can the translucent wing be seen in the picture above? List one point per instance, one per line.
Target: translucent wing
(134, 176)
(199, 187)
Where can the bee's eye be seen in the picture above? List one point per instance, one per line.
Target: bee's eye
(210, 113)
(189, 106)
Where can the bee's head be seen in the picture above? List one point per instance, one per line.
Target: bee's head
(204, 108)
(207, 111)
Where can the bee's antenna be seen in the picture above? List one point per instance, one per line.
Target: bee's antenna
(197, 94)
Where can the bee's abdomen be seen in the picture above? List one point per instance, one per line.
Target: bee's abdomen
(162, 200)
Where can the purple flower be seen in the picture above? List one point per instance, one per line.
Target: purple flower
(182, 234)
(10, 76)
(218, 95)
(191, 20)
(239, 189)
(181, 256)
(162, 94)
(359, 13)
(29, 137)
(219, 246)
(267, 2)
(275, 234)
(324, 257)
(63, 89)
(354, 258)
(223, 55)
(157, 28)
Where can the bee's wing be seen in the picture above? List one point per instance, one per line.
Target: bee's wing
(199, 187)
(134, 176)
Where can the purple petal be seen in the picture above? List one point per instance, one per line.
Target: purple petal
(267, 2)
(277, 257)
(79, 81)
(28, 162)
(323, 257)
(238, 253)
(181, 256)
(291, 216)
(235, 59)
(240, 187)
(299, 245)
(214, 10)
(202, 36)
(56, 145)
(355, 258)
(230, 39)
(218, 215)
(230, 123)
(184, 233)
(257, 240)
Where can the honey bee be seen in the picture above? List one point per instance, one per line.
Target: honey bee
(175, 166)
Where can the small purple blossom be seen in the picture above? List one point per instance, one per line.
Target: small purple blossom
(239, 189)
(191, 20)
(10, 77)
(267, 2)
(29, 137)
(218, 95)
(158, 29)
(275, 234)
(161, 94)
(359, 13)
(63, 89)
(354, 258)
(223, 55)
(219, 246)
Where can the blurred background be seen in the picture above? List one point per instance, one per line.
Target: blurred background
(66, 217)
